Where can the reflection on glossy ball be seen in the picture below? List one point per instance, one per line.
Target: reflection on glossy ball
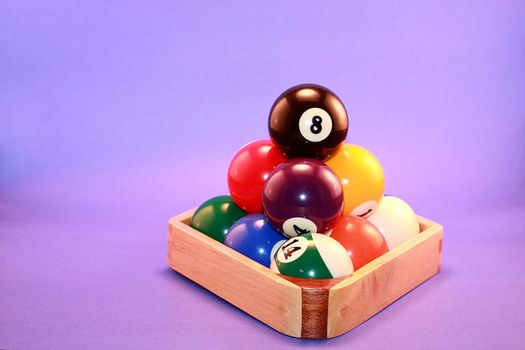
(362, 178)
(253, 237)
(361, 239)
(248, 171)
(215, 217)
(396, 220)
(308, 121)
(302, 196)
(312, 256)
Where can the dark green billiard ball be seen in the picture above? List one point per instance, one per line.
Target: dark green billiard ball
(215, 217)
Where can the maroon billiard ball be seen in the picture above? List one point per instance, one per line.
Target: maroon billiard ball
(308, 121)
(302, 196)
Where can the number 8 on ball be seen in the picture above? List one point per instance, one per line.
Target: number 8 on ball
(315, 124)
(308, 121)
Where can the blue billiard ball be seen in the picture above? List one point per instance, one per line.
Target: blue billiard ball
(253, 237)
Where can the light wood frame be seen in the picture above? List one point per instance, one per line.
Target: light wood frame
(304, 308)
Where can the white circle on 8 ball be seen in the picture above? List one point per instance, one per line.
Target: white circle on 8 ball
(315, 124)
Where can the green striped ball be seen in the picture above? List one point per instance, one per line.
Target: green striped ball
(312, 255)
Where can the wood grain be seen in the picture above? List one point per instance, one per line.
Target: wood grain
(234, 277)
(314, 304)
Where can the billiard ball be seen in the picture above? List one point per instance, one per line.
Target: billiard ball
(248, 171)
(253, 237)
(312, 255)
(396, 220)
(215, 217)
(308, 121)
(302, 196)
(362, 178)
(361, 239)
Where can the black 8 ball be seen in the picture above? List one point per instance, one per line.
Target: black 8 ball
(308, 120)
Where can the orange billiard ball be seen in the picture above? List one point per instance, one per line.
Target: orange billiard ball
(361, 239)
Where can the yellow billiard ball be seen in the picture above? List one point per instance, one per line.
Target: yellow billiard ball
(362, 178)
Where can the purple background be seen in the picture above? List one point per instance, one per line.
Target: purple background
(115, 116)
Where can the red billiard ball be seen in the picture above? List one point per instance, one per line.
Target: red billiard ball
(248, 171)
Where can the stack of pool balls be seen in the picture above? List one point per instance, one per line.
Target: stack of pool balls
(305, 203)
